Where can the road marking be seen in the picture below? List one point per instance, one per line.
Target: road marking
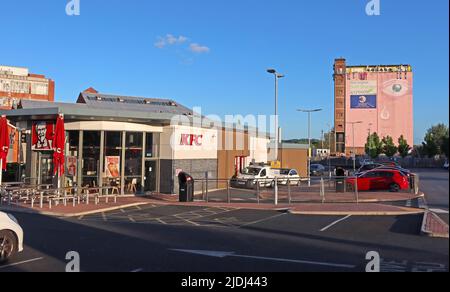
(104, 216)
(263, 220)
(21, 263)
(439, 211)
(218, 254)
(137, 271)
(131, 219)
(334, 223)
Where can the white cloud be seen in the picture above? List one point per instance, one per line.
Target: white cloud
(196, 48)
(170, 40)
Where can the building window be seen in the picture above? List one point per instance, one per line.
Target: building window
(91, 158)
(151, 145)
(133, 162)
(73, 139)
(113, 158)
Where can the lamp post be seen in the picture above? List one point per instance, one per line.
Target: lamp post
(309, 112)
(277, 77)
(354, 148)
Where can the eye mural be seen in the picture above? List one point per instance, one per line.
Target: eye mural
(396, 87)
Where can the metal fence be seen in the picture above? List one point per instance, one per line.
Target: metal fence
(330, 189)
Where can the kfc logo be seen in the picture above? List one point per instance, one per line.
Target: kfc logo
(191, 140)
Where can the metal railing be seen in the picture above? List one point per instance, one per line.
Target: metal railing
(278, 190)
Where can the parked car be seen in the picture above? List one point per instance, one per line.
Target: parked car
(370, 166)
(11, 237)
(446, 165)
(251, 175)
(286, 175)
(380, 179)
(317, 170)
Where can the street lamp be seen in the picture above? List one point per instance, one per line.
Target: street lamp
(354, 148)
(277, 77)
(309, 112)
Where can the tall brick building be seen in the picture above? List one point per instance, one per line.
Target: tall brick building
(18, 83)
(371, 98)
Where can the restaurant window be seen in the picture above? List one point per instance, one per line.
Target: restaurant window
(91, 158)
(73, 139)
(133, 162)
(151, 145)
(113, 158)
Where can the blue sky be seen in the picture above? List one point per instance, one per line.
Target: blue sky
(111, 46)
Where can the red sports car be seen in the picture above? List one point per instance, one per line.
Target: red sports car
(380, 179)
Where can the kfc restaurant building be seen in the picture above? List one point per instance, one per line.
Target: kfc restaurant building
(125, 141)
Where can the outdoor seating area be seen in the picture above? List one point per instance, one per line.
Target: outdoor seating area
(42, 196)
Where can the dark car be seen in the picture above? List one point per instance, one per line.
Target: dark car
(317, 170)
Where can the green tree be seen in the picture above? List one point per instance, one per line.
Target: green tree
(403, 147)
(389, 147)
(444, 146)
(374, 146)
(434, 140)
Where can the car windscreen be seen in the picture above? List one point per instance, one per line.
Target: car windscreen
(251, 171)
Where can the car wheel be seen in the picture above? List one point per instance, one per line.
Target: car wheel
(395, 188)
(8, 245)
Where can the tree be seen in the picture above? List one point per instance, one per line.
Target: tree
(444, 146)
(434, 140)
(403, 147)
(374, 146)
(389, 147)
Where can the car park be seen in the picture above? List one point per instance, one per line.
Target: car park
(379, 179)
(288, 175)
(11, 237)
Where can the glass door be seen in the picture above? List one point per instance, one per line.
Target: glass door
(46, 168)
(150, 176)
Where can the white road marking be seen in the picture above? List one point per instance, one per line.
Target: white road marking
(21, 263)
(263, 220)
(131, 219)
(137, 271)
(334, 223)
(439, 211)
(219, 254)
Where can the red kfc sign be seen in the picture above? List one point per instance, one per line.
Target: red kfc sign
(191, 140)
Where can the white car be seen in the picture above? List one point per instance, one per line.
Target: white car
(290, 175)
(11, 237)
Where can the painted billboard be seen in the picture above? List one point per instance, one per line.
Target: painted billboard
(383, 103)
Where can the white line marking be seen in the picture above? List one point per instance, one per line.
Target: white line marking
(137, 271)
(131, 219)
(263, 220)
(439, 211)
(21, 263)
(218, 254)
(334, 223)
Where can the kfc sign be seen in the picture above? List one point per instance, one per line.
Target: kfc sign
(191, 140)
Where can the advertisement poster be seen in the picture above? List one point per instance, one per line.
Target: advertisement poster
(112, 166)
(71, 165)
(363, 101)
(42, 136)
(367, 87)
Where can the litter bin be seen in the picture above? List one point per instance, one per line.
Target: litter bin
(340, 180)
(186, 183)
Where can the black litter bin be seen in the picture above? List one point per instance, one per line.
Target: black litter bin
(340, 180)
(186, 183)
